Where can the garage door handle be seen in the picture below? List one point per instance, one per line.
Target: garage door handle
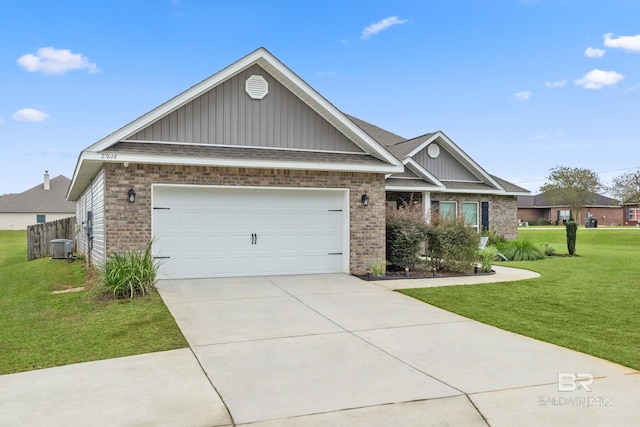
(254, 239)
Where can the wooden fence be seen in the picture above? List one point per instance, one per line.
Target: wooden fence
(39, 236)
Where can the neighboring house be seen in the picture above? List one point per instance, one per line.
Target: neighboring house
(252, 172)
(42, 203)
(631, 213)
(604, 210)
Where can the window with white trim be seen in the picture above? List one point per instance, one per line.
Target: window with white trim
(634, 214)
(448, 210)
(470, 214)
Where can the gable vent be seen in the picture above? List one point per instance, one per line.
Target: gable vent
(256, 87)
(433, 150)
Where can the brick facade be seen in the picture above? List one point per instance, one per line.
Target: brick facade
(128, 225)
(502, 209)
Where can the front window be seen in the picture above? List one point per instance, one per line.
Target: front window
(470, 214)
(634, 214)
(448, 210)
(564, 215)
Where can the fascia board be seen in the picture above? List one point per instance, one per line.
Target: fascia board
(400, 188)
(460, 155)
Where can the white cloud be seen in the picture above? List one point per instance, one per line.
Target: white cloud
(592, 52)
(49, 60)
(560, 83)
(374, 29)
(631, 43)
(597, 79)
(523, 96)
(29, 115)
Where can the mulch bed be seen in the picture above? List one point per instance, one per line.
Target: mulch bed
(398, 274)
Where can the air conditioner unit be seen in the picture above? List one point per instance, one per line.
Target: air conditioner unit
(61, 249)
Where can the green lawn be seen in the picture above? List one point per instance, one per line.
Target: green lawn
(39, 329)
(589, 303)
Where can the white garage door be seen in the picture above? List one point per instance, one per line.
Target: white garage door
(223, 232)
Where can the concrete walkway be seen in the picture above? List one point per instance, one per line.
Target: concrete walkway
(327, 350)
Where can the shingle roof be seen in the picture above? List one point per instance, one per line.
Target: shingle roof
(542, 201)
(381, 136)
(39, 200)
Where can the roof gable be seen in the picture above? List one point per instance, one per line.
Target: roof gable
(227, 115)
(343, 134)
(39, 200)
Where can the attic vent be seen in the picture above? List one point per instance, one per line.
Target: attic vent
(433, 150)
(256, 87)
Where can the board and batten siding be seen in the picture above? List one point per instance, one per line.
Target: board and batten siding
(226, 115)
(92, 200)
(445, 166)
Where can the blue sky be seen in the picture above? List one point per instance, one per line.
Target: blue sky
(521, 86)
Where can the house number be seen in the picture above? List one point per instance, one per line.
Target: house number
(108, 156)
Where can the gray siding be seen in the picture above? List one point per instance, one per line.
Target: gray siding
(226, 115)
(92, 200)
(445, 166)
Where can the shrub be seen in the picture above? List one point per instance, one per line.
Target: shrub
(494, 237)
(572, 232)
(451, 245)
(548, 249)
(130, 274)
(522, 250)
(405, 228)
(539, 221)
(378, 268)
(486, 257)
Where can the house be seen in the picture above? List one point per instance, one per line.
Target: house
(252, 172)
(604, 210)
(631, 213)
(42, 203)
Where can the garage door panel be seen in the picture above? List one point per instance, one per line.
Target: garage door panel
(212, 232)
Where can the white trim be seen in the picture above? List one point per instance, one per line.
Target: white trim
(200, 144)
(426, 206)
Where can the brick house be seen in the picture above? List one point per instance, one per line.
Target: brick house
(605, 210)
(252, 172)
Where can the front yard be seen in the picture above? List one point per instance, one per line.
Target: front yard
(39, 329)
(589, 303)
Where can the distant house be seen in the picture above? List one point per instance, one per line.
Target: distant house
(605, 210)
(42, 203)
(631, 213)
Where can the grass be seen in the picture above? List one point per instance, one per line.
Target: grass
(589, 302)
(39, 329)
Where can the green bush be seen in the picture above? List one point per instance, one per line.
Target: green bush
(378, 268)
(539, 221)
(130, 274)
(548, 249)
(405, 228)
(494, 237)
(486, 257)
(572, 232)
(451, 245)
(521, 250)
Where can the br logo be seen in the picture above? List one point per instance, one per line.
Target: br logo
(571, 382)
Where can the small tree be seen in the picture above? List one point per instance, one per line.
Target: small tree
(575, 187)
(405, 234)
(626, 187)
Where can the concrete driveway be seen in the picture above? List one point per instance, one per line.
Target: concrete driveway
(327, 350)
(335, 350)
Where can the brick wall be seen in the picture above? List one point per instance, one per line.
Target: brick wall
(128, 225)
(502, 209)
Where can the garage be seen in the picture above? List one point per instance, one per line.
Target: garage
(205, 231)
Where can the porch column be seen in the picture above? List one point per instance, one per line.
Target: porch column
(426, 206)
